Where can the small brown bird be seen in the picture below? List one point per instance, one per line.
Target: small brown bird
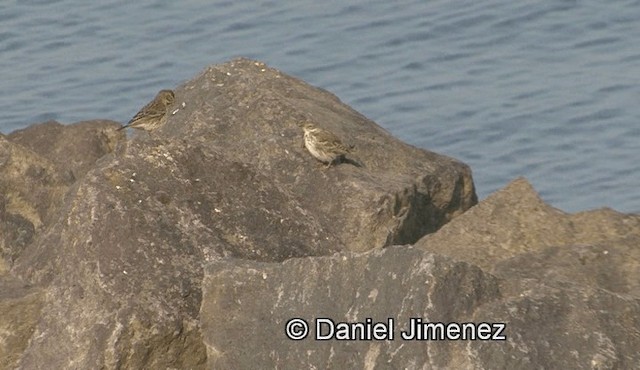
(154, 114)
(324, 145)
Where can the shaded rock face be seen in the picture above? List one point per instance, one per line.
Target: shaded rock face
(31, 191)
(130, 224)
(20, 308)
(37, 167)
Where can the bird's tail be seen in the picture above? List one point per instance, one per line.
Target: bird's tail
(353, 161)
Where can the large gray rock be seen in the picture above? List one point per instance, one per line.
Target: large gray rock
(31, 192)
(565, 305)
(246, 307)
(191, 246)
(20, 309)
(37, 166)
(555, 325)
(73, 148)
(122, 260)
(250, 113)
(514, 234)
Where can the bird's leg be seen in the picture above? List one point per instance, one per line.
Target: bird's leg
(330, 164)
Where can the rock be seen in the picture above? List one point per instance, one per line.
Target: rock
(400, 194)
(191, 246)
(177, 200)
(246, 307)
(565, 287)
(20, 306)
(514, 234)
(560, 326)
(37, 166)
(122, 261)
(31, 192)
(138, 230)
(571, 281)
(72, 148)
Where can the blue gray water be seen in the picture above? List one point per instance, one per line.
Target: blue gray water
(548, 90)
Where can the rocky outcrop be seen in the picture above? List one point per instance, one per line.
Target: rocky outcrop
(37, 167)
(31, 191)
(130, 224)
(397, 283)
(564, 286)
(514, 234)
(75, 148)
(21, 307)
(251, 114)
(193, 246)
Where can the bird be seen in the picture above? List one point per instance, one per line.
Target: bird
(154, 114)
(324, 145)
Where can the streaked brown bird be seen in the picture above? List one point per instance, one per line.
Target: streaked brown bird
(154, 114)
(324, 145)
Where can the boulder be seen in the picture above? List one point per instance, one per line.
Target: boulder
(37, 166)
(21, 307)
(247, 305)
(514, 234)
(122, 260)
(564, 286)
(193, 245)
(74, 148)
(251, 113)
(31, 192)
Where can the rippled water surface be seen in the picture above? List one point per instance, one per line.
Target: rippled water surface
(549, 90)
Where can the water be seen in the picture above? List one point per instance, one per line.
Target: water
(548, 90)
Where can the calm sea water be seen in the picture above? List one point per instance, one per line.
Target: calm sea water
(549, 90)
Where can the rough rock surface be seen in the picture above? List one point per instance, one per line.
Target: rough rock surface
(396, 282)
(37, 166)
(191, 247)
(126, 226)
(20, 309)
(250, 113)
(72, 148)
(564, 285)
(514, 234)
(31, 191)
